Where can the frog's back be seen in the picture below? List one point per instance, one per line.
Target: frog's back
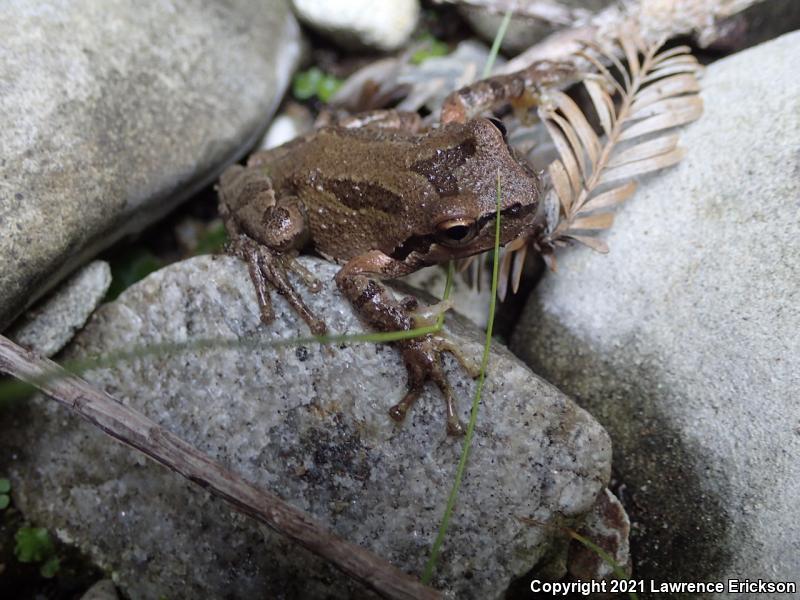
(356, 187)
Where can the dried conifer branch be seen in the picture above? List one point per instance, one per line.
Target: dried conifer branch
(134, 429)
(636, 111)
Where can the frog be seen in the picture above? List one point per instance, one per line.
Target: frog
(382, 197)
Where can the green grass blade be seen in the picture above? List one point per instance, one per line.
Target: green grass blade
(473, 415)
(448, 288)
(605, 556)
(12, 389)
(498, 39)
(430, 565)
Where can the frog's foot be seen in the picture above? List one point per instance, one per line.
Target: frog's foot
(268, 268)
(445, 344)
(313, 284)
(423, 360)
(424, 315)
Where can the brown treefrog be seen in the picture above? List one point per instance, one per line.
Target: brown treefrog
(377, 196)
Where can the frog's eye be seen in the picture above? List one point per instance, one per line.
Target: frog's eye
(456, 232)
(499, 124)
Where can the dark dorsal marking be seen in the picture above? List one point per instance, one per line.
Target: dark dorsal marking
(438, 169)
(360, 195)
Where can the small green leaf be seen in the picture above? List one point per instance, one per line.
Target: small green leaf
(432, 47)
(304, 84)
(5, 486)
(327, 87)
(33, 544)
(5, 500)
(313, 82)
(50, 568)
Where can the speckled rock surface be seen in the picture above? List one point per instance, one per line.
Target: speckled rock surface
(684, 340)
(127, 109)
(102, 590)
(359, 24)
(311, 424)
(48, 326)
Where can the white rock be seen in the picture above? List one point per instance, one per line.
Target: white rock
(289, 124)
(358, 23)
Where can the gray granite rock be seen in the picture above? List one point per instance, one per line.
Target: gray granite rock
(311, 423)
(359, 24)
(115, 111)
(684, 340)
(48, 326)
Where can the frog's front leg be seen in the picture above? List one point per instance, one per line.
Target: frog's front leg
(266, 234)
(521, 87)
(378, 309)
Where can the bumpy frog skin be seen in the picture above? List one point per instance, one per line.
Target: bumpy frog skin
(376, 196)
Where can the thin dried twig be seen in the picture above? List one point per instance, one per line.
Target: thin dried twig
(135, 430)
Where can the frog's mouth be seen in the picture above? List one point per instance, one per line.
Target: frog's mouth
(432, 250)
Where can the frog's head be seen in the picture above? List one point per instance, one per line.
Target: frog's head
(469, 162)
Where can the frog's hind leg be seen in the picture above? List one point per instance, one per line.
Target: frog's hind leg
(524, 86)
